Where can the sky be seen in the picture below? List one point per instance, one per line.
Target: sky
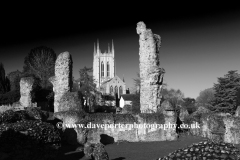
(198, 45)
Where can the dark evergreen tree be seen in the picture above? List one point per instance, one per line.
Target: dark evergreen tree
(4, 81)
(87, 86)
(227, 93)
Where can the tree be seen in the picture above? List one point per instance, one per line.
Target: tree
(87, 85)
(40, 61)
(175, 97)
(137, 83)
(227, 93)
(206, 96)
(4, 81)
(14, 78)
(189, 104)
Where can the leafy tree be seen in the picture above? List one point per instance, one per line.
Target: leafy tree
(189, 104)
(137, 83)
(40, 61)
(4, 81)
(136, 103)
(206, 96)
(227, 93)
(87, 85)
(175, 97)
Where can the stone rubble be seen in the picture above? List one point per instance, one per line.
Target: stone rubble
(205, 150)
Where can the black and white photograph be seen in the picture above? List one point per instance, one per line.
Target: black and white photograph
(119, 82)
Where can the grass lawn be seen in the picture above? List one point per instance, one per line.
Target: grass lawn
(137, 150)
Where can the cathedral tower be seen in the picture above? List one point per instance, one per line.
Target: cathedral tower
(103, 64)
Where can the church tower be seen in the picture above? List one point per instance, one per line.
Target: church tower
(103, 64)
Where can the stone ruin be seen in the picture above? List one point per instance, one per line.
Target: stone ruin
(26, 85)
(237, 113)
(150, 72)
(62, 80)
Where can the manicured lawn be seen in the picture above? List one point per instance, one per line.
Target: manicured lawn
(136, 151)
(148, 150)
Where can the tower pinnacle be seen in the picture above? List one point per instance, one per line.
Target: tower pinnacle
(98, 50)
(108, 48)
(94, 51)
(112, 48)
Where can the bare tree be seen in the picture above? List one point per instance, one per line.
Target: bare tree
(41, 62)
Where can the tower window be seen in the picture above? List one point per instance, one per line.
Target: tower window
(108, 73)
(116, 90)
(120, 90)
(102, 69)
(111, 90)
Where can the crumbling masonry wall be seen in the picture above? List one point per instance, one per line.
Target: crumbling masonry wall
(26, 84)
(62, 80)
(150, 72)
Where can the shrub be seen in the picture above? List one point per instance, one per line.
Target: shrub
(127, 109)
(9, 97)
(5, 108)
(16, 138)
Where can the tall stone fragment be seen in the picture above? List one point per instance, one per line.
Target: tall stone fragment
(62, 80)
(150, 72)
(26, 84)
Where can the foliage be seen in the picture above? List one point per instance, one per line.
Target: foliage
(227, 93)
(9, 97)
(175, 97)
(4, 81)
(189, 104)
(136, 103)
(127, 109)
(14, 78)
(40, 61)
(87, 86)
(206, 97)
(41, 131)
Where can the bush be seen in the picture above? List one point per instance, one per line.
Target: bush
(9, 97)
(32, 136)
(30, 113)
(127, 109)
(5, 108)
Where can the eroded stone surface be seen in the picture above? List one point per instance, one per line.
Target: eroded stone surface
(150, 72)
(26, 84)
(63, 78)
(183, 113)
(237, 113)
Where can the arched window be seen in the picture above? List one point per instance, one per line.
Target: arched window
(108, 68)
(120, 90)
(102, 69)
(111, 90)
(116, 90)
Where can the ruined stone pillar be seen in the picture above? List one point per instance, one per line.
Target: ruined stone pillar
(62, 79)
(151, 74)
(26, 84)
